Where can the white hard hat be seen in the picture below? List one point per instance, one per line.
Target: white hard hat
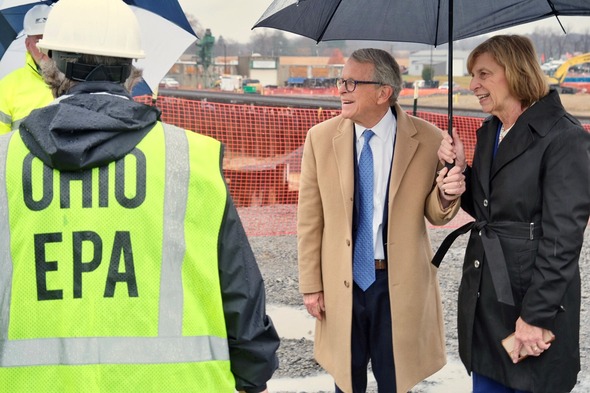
(35, 18)
(94, 27)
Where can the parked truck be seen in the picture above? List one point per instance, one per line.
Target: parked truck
(230, 82)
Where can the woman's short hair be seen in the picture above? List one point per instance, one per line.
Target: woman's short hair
(517, 55)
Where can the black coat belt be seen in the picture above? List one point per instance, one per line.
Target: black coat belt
(493, 249)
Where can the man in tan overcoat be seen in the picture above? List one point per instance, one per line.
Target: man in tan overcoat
(397, 322)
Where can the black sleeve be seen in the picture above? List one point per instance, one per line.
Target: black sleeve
(253, 340)
(566, 207)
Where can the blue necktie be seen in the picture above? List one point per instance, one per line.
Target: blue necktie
(364, 251)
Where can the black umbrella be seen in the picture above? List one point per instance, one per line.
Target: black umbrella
(431, 22)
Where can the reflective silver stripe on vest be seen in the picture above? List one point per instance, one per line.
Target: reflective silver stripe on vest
(171, 296)
(112, 350)
(16, 125)
(169, 346)
(5, 257)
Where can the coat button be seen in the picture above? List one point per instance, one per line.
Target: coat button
(476, 264)
(485, 203)
(347, 284)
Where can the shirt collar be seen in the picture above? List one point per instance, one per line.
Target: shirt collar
(383, 130)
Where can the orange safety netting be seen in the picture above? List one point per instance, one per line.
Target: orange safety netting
(263, 147)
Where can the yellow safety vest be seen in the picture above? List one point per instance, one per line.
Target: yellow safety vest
(21, 91)
(109, 277)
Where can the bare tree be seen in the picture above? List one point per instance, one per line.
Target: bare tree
(584, 41)
(268, 42)
(550, 43)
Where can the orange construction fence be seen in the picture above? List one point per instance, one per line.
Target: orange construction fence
(263, 147)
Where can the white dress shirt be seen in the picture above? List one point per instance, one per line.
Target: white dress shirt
(382, 147)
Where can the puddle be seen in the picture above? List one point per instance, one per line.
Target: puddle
(291, 322)
(295, 323)
(319, 383)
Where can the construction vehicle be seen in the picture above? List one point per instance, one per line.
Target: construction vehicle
(557, 77)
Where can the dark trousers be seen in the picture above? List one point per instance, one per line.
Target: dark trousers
(371, 336)
(483, 384)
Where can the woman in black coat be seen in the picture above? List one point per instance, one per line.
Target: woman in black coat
(528, 190)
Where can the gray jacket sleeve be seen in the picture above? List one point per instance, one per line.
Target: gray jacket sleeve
(253, 340)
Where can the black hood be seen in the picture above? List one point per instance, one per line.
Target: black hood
(94, 124)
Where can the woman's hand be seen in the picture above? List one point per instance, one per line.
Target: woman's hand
(451, 151)
(530, 338)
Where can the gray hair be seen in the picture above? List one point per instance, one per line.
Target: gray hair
(386, 68)
(60, 84)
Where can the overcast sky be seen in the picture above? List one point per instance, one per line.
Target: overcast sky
(233, 19)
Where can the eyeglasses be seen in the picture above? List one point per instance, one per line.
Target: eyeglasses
(350, 84)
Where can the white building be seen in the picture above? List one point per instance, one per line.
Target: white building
(438, 60)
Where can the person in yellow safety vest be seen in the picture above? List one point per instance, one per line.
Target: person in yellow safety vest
(23, 89)
(124, 266)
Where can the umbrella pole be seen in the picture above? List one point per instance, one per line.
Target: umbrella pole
(450, 78)
(450, 69)
(415, 99)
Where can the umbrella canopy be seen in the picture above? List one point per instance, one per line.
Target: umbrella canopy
(165, 35)
(431, 22)
(421, 21)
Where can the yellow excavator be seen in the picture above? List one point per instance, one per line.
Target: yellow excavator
(557, 77)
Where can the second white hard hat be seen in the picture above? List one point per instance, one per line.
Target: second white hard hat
(35, 18)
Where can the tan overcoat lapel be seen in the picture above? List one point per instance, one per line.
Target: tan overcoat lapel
(405, 148)
(343, 151)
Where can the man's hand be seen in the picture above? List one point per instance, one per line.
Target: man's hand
(314, 302)
(451, 150)
(451, 184)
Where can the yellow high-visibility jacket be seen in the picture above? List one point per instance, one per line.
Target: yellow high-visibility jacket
(21, 91)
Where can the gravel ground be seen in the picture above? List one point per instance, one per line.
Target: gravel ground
(277, 258)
